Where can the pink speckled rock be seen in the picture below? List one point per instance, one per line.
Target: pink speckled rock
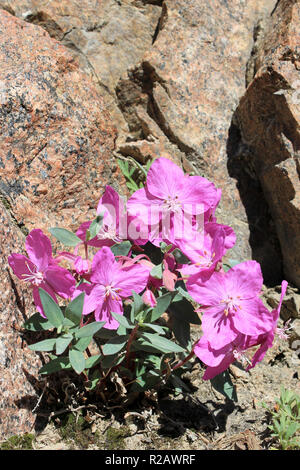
(17, 396)
(56, 136)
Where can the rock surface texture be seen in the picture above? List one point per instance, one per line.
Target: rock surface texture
(213, 85)
(269, 119)
(17, 362)
(56, 144)
(56, 137)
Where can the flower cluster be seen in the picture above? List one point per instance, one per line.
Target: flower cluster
(166, 245)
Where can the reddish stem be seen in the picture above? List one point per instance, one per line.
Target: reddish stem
(130, 341)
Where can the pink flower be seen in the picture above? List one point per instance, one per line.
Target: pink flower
(266, 340)
(205, 252)
(165, 207)
(41, 270)
(111, 207)
(218, 360)
(110, 283)
(149, 298)
(231, 303)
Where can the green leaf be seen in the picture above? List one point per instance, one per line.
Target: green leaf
(37, 323)
(122, 321)
(94, 228)
(74, 309)
(105, 334)
(230, 264)
(110, 361)
(82, 343)
(157, 271)
(146, 381)
(121, 249)
(92, 361)
(183, 310)
(178, 384)
(62, 343)
(182, 331)
(55, 365)
(90, 329)
(180, 257)
(163, 303)
(66, 237)
(158, 329)
(45, 345)
(77, 360)
(222, 383)
(94, 380)
(159, 343)
(115, 345)
(51, 309)
(138, 303)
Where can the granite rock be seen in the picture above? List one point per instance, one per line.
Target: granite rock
(268, 118)
(56, 136)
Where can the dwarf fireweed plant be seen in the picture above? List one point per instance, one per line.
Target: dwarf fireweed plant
(133, 281)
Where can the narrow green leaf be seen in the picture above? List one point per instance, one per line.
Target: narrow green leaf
(163, 303)
(90, 329)
(122, 320)
(66, 237)
(92, 361)
(62, 343)
(95, 227)
(45, 345)
(223, 384)
(183, 310)
(74, 309)
(55, 365)
(180, 257)
(110, 361)
(115, 345)
(37, 323)
(82, 343)
(158, 329)
(161, 344)
(138, 303)
(51, 309)
(182, 332)
(121, 249)
(77, 360)
(157, 271)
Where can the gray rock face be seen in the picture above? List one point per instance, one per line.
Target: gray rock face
(268, 118)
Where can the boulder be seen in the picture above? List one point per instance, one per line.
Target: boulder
(268, 118)
(56, 136)
(56, 157)
(17, 363)
(181, 98)
(106, 36)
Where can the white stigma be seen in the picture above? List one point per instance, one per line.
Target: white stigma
(112, 292)
(172, 204)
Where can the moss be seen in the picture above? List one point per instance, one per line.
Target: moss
(115, 438)
(77, 430)
(21, 442)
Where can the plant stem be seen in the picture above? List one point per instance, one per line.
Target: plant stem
(130, 340)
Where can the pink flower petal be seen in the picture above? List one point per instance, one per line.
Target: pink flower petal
(60, 280)
(103, 313)
(39, 249)
(21, 265)
(164, 178)
(132, 278)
